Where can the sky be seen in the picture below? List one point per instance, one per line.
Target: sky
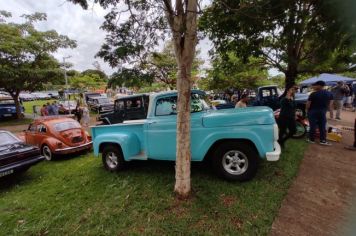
(78, 24)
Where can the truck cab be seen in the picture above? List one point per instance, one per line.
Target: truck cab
(133, 107)
(234, 140)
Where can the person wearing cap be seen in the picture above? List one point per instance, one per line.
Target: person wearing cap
(317, 105)
(339, 92)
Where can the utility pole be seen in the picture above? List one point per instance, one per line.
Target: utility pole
(65, 72)
(66, 80)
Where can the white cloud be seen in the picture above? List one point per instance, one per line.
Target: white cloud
(78, 24)
(71, 20)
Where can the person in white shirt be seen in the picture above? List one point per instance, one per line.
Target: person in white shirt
(243, 101)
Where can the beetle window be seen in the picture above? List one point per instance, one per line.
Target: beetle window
(32, 128)
(41, 128)
(66, 125)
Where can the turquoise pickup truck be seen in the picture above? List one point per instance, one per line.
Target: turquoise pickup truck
(234, 140)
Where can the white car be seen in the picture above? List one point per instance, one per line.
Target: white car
(27, 97)
(41, 96)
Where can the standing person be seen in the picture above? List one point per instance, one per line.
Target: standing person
(317, 106)
(78, 112)
(286, 120)
(243, 101)
(55, 108)
(49, 109)
(85, 118)
(338, 92)
(44, 110)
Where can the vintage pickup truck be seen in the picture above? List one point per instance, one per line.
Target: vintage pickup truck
(233, 139)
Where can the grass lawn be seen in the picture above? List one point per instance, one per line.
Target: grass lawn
(76, 196)
(29, 105)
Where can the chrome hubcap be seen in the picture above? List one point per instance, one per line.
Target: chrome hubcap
(111, 160)
(235, 162)
(47, 153)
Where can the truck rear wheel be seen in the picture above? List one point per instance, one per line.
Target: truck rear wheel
(235, 161)
(113, 159)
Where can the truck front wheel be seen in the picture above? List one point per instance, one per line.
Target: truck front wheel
(112, 158)
(235, 161)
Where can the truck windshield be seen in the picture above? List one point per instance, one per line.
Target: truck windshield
(168, 106)
(103, 100)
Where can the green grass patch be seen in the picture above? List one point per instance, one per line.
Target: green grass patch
(76, 196)
(29, 105)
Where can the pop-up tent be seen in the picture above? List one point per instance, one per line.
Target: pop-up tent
(329, 79)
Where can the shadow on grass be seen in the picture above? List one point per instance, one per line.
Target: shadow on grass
(11, 181)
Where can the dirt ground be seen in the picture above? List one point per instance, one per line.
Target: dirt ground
(322, 199)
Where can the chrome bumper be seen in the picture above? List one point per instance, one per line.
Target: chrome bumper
(86, 145)
(275, 155)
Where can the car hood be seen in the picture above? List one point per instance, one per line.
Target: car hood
(239, 117)
(16, 151)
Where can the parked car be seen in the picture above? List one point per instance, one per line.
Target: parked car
(270, 96)
(235, 140)
(66, 107)
(57, 136)
(87, 95)
(8, 107)
(27, 97)
(16, 156)
(100, 104)
(41, 96)
(222, 104)
(53, 94)
(127, 108)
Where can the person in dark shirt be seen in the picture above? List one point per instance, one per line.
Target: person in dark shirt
(318, 104)
(286, 120)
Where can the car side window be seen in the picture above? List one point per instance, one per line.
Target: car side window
(119, 105)
(32, 128)
(166, 106)
(266, 93)
(41, 128)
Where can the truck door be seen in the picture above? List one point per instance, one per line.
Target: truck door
(161, 129)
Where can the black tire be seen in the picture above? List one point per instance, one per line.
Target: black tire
(244, 151)
(47, 152)
(301, 131)
(113, 159)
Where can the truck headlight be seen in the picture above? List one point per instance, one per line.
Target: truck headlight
(275, 132)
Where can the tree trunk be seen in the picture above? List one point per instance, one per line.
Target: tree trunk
(15, 96)
(183, 156)
(184, 29)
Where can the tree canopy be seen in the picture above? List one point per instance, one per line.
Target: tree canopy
(26, 62)
(233, 72)
(159, 67)
(296, 37)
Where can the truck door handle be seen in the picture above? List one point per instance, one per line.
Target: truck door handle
(152, 122)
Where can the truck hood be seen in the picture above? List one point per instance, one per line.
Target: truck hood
(239, 117)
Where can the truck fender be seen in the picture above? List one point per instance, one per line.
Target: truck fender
(129, 143)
